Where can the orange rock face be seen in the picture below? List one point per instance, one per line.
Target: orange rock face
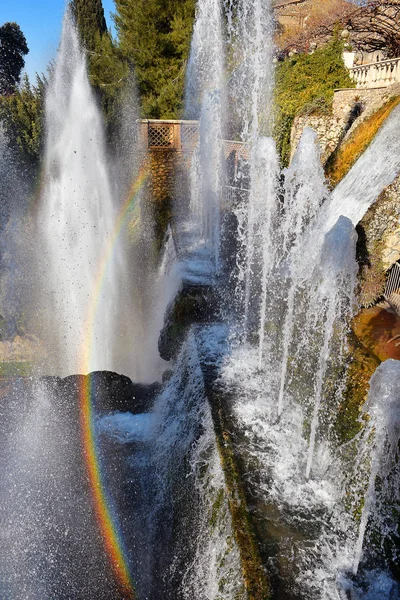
(377, 329)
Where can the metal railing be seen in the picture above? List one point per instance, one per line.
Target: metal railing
(392, 290)
(376, 75)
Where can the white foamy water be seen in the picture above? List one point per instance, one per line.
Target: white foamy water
(85, 306)
(205, 101)
(376, 168)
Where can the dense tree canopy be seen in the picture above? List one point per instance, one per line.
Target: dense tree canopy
(89, 17)
(22, 118)
(108, 70)
(154, 36)
(13, 48)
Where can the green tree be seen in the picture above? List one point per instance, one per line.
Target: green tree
(13, 48)
(91, 22)
(22, 118)
(108, 70)
(154, 37)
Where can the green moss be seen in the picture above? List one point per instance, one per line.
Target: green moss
(216, 508)
(362, 364)
(15, 369)
(255, 579)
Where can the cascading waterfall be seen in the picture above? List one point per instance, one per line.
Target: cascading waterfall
(304, 193)
(299, 276)
(82, 263)
(376, 168)
(205, 100)
(383, 427)
(281, 384)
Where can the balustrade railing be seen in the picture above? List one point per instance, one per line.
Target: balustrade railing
(376, 75)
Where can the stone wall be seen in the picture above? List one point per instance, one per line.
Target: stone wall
(168, 182)
(350, 108)
(379, 243)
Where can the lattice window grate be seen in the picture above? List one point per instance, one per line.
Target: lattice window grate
(189, 135)
(240, 148)
(161, 135)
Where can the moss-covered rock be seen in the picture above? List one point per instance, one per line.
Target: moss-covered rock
(192, 304)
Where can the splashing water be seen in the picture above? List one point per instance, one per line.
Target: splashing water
(76, 224)
(376, 168)
(383, 408)
(205, 100)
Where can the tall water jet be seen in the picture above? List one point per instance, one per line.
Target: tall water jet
(85, 307)
(205, 100)
(251, 83)
(250, 25)
(305, 192)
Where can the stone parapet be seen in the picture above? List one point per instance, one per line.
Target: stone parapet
(350, 108)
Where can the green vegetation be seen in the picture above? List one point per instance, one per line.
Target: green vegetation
(154, 37)
(305, 84)
(21, 115)
(108, 70)
(89, 17)
(13, 48)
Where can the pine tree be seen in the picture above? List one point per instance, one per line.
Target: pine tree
(22, 119)
(154, 36)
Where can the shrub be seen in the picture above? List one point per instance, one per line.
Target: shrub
(306, 82)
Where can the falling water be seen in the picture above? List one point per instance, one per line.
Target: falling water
(251, 82)
(383, 408)
(85, 304)
(376, 168)
(304, 193)
(205, 100)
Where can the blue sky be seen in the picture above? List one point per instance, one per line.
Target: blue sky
(40, 21)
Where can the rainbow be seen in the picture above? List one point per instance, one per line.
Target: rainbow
(112, 540)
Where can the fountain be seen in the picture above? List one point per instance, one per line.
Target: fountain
(116, 490)
(205, 101)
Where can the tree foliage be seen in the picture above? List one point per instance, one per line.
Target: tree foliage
(376, 26)
(304, 81)
(13, 48)
(90, 20)
(154, 37)
(22, 118)
(108, 70)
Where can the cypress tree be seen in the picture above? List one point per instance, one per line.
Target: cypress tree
(13, 48)
(91, 22)
(108, 70)
(154, 36)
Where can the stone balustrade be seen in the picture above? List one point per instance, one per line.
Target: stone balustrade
(377, 75)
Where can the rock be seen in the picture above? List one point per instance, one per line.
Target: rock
(193, 304)
(110, 391)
